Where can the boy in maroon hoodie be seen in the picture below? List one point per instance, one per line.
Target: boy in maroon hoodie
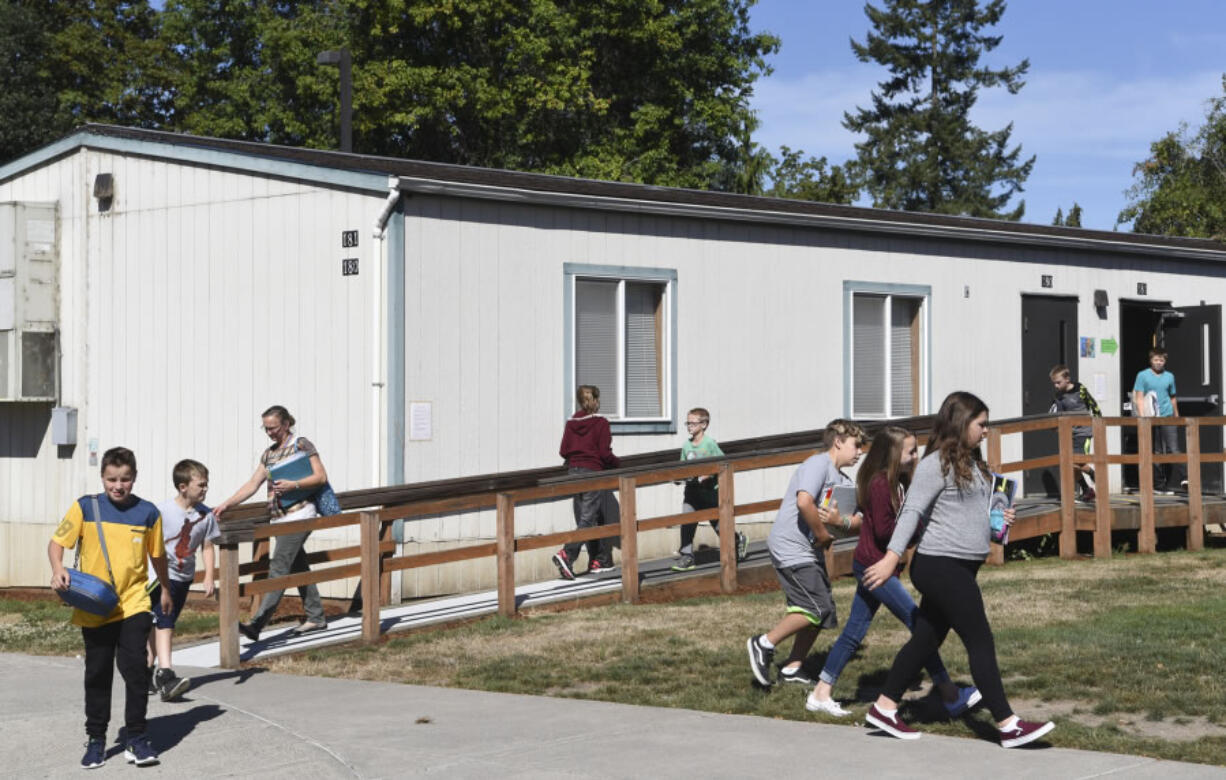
(587, 446)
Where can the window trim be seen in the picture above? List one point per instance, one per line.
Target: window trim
(923, 292)
(570, 273)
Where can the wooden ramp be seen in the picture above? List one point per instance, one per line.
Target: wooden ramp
(1039, 516)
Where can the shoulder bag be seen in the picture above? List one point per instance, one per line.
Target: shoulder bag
(85, 591)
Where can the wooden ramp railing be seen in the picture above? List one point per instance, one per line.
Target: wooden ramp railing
(378, 509)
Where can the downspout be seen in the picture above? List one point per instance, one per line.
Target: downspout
(377, 382)
(387, 425)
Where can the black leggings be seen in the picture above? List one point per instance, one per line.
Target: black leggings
(951, 599)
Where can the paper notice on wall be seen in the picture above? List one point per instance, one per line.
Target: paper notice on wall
(421, 426)
(1100, 387)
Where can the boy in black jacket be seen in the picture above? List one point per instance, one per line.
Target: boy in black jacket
(1073, 398)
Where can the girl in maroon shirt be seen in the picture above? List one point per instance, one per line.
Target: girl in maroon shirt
(880, 486)
(587, 446)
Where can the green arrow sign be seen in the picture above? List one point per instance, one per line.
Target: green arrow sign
(1109, 346)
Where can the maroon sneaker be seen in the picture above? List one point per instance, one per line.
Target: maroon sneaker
(563, 563)
(891, 724)
(1022, 732)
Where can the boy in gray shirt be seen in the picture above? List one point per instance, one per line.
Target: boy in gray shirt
(797, 544)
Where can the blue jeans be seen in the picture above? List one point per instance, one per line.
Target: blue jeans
(864, 606)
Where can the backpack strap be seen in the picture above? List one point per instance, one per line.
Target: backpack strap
(101, 539)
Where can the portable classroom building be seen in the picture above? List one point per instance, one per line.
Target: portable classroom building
(426, 321)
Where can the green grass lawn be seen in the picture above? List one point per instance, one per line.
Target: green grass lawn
(1125, 655)
(41, 626)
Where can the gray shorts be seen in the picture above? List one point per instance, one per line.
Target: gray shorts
(1083, 443)
(806, 588)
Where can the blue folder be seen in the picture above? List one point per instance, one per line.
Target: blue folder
(294, 468)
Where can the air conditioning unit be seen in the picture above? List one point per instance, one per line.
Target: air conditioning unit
(29, 302)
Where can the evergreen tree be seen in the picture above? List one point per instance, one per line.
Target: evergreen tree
(1074, 216)
(922, 153)
(1072, 220)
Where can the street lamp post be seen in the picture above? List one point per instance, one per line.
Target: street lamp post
(342, 59)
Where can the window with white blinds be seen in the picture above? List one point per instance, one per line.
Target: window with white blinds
(621, 345)
(886, 348)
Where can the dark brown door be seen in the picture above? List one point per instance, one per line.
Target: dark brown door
(1049, 337)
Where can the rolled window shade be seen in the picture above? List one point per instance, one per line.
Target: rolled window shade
(902, 379)
(868, 355)
(596, 334)
(644, 350)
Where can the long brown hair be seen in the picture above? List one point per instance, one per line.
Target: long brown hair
(948, 438)
(884, 457)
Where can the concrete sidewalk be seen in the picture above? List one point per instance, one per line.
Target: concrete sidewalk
(249, 723)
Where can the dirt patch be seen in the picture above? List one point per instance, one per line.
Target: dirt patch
(1174, 729)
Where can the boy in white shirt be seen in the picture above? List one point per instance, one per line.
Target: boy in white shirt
(187, 524)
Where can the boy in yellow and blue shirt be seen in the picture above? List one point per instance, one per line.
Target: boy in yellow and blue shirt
(132, 529)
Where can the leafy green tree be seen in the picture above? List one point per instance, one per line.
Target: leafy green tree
(654, 92)
(921, 152)
(247, 69)
(66, 63)
(1180, 190)
(1059, 219)
(27, 98)
(813, 178)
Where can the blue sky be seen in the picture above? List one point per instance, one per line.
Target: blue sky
(1106, 79)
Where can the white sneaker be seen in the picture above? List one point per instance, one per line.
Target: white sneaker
(826, 706)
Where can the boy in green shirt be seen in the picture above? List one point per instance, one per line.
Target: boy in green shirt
(700, 493)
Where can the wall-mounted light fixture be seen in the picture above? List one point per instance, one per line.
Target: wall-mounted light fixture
(104, 190)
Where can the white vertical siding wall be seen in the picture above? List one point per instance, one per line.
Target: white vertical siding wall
(206, 295)
(760, 336)
(202, 297)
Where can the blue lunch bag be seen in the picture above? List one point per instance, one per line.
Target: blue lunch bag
(85, 591)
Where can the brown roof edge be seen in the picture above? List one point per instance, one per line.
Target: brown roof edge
(546, 183)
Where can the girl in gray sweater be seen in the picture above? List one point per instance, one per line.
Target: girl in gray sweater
(949, 493)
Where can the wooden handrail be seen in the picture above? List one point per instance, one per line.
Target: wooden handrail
(376, 559)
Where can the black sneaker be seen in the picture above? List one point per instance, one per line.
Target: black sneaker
(250, 630)
(562, 561)
(95, 754)
(760, 660)
(170, 686)
(742, 546)
(684, 563)
(139, 751)
(797, 675)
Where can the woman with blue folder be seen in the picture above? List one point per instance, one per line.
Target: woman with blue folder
(294, 473)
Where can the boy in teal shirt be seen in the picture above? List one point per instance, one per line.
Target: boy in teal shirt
(1153, 395)
(700, 492)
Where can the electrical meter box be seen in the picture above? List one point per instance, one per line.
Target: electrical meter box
(29, 302)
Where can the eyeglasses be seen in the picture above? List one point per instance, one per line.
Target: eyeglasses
(690, 424)
(271, 429)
